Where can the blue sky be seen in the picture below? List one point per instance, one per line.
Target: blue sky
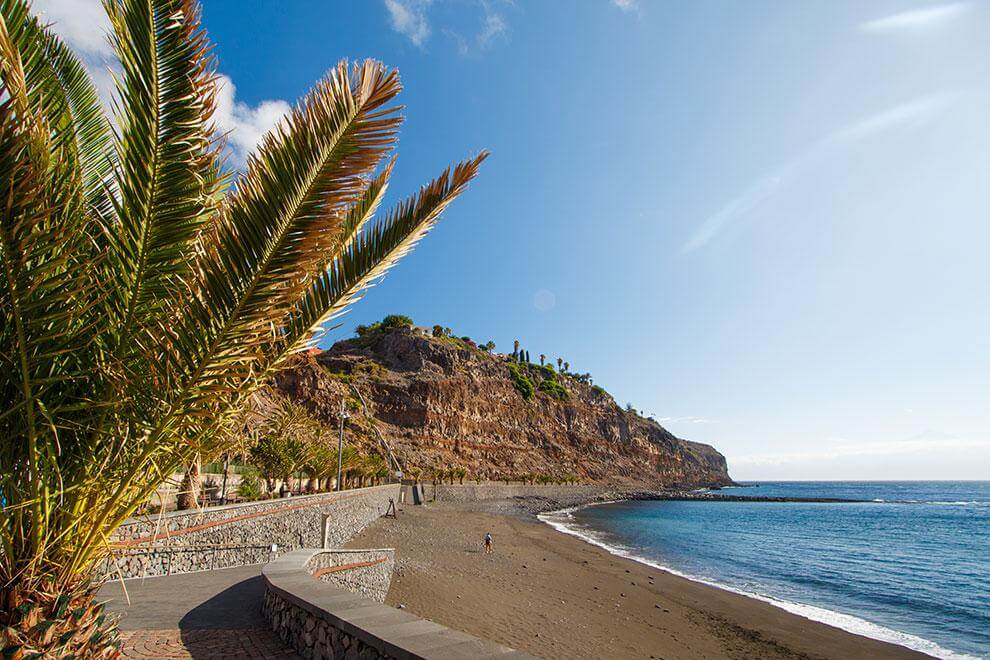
(765, 223)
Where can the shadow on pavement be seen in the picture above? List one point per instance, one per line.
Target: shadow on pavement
(237, 606)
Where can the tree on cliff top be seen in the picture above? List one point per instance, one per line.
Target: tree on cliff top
(144, 298)
(396, 321)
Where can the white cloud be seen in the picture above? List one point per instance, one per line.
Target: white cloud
(409, 17)
(915, 19)
(245, 125)
(493, 27)
(913, 114)
(83, 25)
(626, 5)
(685, 420)
(928, 443)
(744, 203)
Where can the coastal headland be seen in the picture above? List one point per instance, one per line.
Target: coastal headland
(556, 596)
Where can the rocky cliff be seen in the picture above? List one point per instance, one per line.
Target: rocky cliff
(442, 402)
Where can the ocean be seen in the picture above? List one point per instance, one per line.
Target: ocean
(909, 565)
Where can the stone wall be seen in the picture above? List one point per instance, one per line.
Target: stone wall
(365, 572)
(240, 534)
(320, 620)
(498, 491)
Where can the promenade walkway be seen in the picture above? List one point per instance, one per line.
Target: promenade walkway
(213, 614)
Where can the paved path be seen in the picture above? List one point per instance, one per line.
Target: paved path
(214, 614)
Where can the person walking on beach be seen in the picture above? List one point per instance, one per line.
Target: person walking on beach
(488, 543)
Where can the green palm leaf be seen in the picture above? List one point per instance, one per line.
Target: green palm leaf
(289, 211)
(59, 89)
(167, 156)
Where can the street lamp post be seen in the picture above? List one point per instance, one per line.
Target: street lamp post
(340, 443)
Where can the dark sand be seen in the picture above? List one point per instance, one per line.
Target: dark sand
(555, 596)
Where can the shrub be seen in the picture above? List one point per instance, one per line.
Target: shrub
(598, 389)
(554, 389)
(250, 488)
(396, 321)
(521, 381)
(338, 375)
(365, 330)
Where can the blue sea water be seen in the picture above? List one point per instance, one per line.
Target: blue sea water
(909, 565)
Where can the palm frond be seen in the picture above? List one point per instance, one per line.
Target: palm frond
(43, 297)
(167, 156)
(140, 305)
(58, 88)
(370, 256)
(288, 211)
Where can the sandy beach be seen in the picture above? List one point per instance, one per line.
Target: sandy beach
(555, 596)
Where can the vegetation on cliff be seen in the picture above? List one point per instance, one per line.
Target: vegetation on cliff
(445, 403)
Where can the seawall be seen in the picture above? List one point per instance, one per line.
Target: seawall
(242, 534)
(322, 620)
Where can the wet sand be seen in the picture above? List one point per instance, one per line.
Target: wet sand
(555, 596)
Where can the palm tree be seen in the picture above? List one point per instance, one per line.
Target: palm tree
(560, 364)
(350, 464)
(188, 495)
(321, 456)
(373, 468)
(143, 298)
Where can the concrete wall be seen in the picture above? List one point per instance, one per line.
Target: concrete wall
(320, 620)
(240, 534)
(497, 491)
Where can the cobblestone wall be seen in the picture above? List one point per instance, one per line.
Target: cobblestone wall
(315, 637)
(240, 534)
(366, 572)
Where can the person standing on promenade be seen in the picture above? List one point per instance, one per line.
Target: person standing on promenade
(488, 544)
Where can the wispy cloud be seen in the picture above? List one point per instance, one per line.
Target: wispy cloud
(913, 114)
(685, 420)
(409, 18)
(926, 443)
(626, 5)
(916, 19)
(744, 203)
(83, 25)
(493, 26)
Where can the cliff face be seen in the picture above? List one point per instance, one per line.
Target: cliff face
(441, 402)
